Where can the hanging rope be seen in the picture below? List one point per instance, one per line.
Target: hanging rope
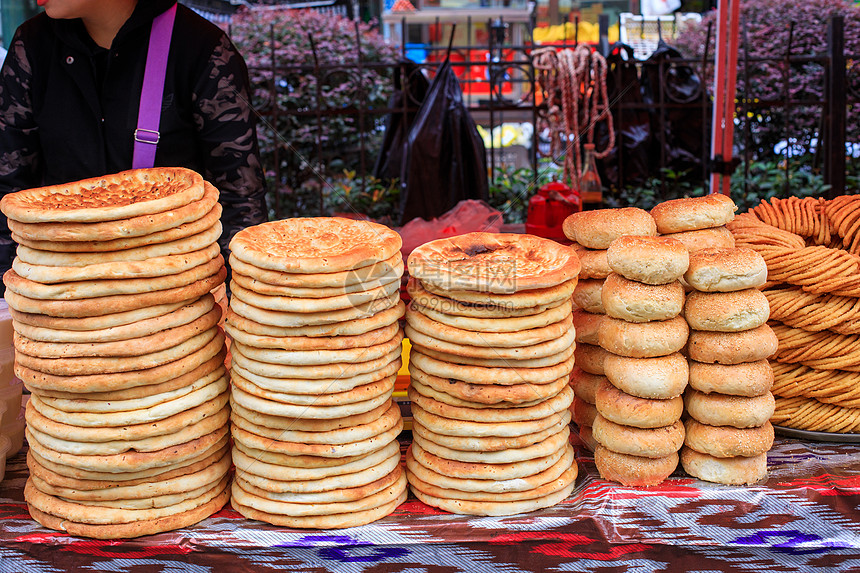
(574, 81)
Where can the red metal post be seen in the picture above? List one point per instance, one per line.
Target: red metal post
(725, 81)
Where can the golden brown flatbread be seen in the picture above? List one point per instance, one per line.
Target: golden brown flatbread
(143, 327)
(132, 384)
(104, 305)
(362, 273)
(135, 528)
(108, 198)
(349, 328)
(120, 230)
(187, 222)
(490, 262)
(315, 245)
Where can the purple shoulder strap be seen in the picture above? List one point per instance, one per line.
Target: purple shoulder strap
(149, 114)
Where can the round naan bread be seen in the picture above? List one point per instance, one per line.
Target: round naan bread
(491, 262)
(315, 245)
(108, 198)
(123, 233)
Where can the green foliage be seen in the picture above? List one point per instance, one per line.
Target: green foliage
(766, 179)
(766, 26)
(353, 196)
(344, 194)
(769, 179)
(511, 188)
(674, 184)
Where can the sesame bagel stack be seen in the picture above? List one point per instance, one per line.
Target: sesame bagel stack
(638, 425)
(592, 232)
(698, 222)
(729, 401)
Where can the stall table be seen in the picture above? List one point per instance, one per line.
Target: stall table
(804, 518)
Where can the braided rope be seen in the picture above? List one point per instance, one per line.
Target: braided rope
(574, 82)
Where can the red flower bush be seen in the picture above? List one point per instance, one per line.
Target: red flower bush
(765, 25)
(282, 48)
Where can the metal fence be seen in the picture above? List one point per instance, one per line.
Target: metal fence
(500, 83)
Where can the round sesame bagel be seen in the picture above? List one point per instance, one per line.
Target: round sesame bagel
(634, 301)
(643, 442)
(596, 229)
(732, 347)
(738, 470)
(693, 213)
(726, 441)
(724, 410)
(726, 311)
(644, 339)
(633, 471)
(725, 270)
(659, 377)
(622, 408)
(744, 379)
(650, 260)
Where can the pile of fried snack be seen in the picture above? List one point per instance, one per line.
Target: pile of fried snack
(811, 249)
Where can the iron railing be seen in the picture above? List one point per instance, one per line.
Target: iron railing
(499, 81)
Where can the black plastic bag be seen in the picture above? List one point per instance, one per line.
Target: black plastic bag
(445, 158)
(628, 163)
(685, 129)
(409, 94)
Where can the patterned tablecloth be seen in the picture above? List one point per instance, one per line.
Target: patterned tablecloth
(806, 517)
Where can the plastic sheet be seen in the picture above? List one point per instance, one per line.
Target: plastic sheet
(410, 89)
(632, 124)
(683, 126)
(445, 157)
(466, 217)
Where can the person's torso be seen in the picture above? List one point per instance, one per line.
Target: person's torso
(86, 101)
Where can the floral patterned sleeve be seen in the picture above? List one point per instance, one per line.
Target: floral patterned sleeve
(20, 156)
(227, 130)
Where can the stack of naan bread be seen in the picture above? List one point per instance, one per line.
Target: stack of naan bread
(316, 345)
(592, 232)
(492, 350)
(117, 338)
(638, 425)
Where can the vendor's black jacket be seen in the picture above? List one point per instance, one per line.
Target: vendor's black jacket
(68, 110)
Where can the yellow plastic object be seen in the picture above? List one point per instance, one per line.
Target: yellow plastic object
(400, 386)
(567, 32)
(404, 355)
